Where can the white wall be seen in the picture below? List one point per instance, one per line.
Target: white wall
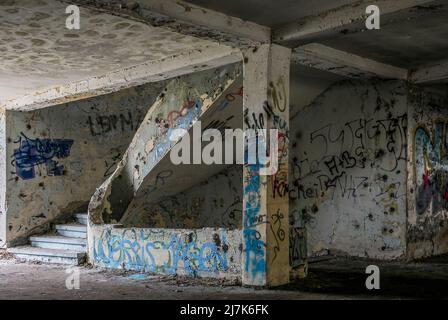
(348, 170)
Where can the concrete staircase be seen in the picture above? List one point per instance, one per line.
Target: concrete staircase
(67, 246)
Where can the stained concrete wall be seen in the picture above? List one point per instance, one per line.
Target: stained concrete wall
(57, 156)
(348, 170)
(428, 175)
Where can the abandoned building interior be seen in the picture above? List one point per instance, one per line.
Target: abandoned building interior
(88, 116)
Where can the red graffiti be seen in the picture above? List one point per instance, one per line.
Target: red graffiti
(425, 180)
(174, 115)
(232, 96)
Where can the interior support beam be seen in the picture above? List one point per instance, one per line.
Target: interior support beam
(343, 63)
(435, 73)
(348, 19)
(265, 259)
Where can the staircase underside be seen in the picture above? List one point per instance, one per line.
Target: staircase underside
(146, 172)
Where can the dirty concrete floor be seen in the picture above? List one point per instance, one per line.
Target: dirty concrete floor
(331, 279)
(426, 279)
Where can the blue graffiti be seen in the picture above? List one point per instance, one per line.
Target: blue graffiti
(119, 251)
(34, 152)
(254, 246)
(255, 250)
(164, 144)
(434, 151)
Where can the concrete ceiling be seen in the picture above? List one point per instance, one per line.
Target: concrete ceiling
(38, 51)
(269, 12)
(408, 44)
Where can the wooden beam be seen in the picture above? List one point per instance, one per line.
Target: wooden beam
(349, 19)
(343, 63)
(435, 73)
(185, 18)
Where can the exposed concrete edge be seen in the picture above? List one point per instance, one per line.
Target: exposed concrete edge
(431, 74)
(153, 71)
(185, 18)
(343, 63)
(348, 19)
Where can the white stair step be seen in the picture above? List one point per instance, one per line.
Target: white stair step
(81, 218)
(29, 253)
(58, 242)
(72, 230)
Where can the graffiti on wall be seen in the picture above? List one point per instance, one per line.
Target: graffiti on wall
(159, 251)
(359, 144)
(297, 245)
(230, 97)
(273, 114)
(254, 245)
(111, 163)
(348, 172)
(102, 124)
(277, 112)
(431, 167)
(178, 119)
(34, 152)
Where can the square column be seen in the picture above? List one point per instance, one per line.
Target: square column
(265, 194)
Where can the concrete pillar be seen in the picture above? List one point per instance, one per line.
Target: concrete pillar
(265, 197)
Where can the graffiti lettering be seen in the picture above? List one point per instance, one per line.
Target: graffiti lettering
(104, 124)
(34, 152)
(134, 249)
